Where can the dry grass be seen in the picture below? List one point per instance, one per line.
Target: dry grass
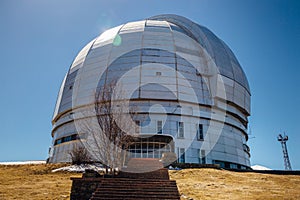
(222, 184)
(37, 182)
(34, 182)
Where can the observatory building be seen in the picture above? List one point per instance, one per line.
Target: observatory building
(190, 94)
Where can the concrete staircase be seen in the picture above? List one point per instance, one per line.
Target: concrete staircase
(121, 188)
(143, 179)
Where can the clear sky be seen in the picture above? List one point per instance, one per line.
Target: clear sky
(39, 40)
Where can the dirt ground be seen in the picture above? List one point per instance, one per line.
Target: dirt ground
(38, 182)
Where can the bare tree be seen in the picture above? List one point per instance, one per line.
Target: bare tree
(112, 115)
(110, 132)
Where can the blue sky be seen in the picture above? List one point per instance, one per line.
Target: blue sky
(39, 40)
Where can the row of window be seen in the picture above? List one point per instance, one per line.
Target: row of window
(229, 165)
(66, 139)
(180, 129)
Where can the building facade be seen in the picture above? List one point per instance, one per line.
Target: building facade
(191, 94)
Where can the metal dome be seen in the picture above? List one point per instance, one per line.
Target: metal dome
(175, 70)
(175, 36)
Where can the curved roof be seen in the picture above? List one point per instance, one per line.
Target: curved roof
(226, 61)
(183, 48)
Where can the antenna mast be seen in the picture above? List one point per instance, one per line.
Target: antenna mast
(283, 139)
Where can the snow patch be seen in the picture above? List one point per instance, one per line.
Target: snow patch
(80, 168)
(259, 167)
(24, 162)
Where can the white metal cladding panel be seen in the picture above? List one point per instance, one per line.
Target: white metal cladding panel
(149, 35)
(158, 59)
(159, 46)
(81, 57)
(241, 153)
(133, 27)
(130, 39)
(219, 53)
(230, 150)
(228, 84)
(219, 147)
(233, 109)
(156, 94)
(166, 79)
(58, 101)
(96, 60)
(66, 99)
(235, 122)
(217, 155)
(158, 42)
(231, 158)
(243, 161)
(239, 95)
(157, 23)
(239, 137)
(66, 118)
(65, 130)
(100, 51)
(185, 42)
(90, 71)
(98, 54)
(247, 162)
(107, 37)
(247, 102)
(239, 75)
(151, 69)
(193, 155)
(157, 29)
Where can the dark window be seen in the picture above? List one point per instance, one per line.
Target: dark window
(159, 127)
(203, 158)
(181, 154)
(66, 139)
(180, 129)
(200, 135)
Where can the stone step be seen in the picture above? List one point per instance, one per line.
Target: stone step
(132, 198)
(126, 196)
(153, 184)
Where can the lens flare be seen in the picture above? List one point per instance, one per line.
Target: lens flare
(117, 41)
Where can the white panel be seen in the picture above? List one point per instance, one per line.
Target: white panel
(81, 56)
(107, 37)
(58, 101)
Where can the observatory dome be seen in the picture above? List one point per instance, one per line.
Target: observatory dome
(182, 75)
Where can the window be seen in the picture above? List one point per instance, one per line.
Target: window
(181, 154)
(200, 135)
(137, 126)
(158, 73)
(233, 166)
(66, 139)
(180, 129)
(159, 127)
(221, 163)
(203, 158)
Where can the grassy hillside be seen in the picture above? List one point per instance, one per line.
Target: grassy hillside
(222, 184)
(37, 182)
